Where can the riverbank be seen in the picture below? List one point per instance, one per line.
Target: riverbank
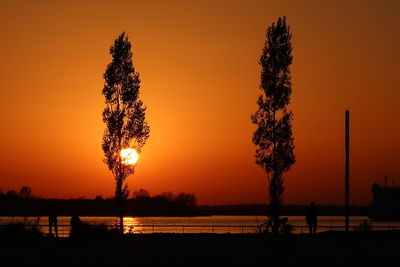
(324, 249)
(133, 208)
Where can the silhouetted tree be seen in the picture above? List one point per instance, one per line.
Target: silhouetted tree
(124, 116)
(12, 194)
(273, 136)
(99, 198)
(185, 199)
(141, 193)
(25, 192)
(168, 196)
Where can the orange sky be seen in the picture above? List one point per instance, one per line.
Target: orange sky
(198, 62)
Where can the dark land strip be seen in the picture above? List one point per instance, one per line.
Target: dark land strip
(324, 249)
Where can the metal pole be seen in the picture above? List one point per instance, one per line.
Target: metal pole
(347, 171)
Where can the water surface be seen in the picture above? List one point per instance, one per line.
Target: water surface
(203, 224)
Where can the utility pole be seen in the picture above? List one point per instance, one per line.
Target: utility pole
(347, 170)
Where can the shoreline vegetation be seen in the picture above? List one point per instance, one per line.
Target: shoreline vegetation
(142, 204)
(106, 208)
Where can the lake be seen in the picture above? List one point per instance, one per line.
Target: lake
(203, 224)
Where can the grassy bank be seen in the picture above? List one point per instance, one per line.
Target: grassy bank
(326, 249)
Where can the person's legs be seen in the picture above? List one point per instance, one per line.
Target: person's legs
(56, 226)
(50, 226)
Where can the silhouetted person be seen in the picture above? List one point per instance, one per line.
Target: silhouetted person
(312, 218)
(53, 220)
(76, 225)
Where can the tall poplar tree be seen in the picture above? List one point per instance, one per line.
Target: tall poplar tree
(124, 116)
(273, 136)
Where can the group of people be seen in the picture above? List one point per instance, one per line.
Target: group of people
(311, 219)
(75, 222)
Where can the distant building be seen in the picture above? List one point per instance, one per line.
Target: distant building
(386, 203)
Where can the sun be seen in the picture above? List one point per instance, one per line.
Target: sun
(129, 156)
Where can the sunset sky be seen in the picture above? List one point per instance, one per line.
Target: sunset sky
(198, 62)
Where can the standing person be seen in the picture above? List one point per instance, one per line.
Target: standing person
(312, 218)
(76, 226)
(53, 219)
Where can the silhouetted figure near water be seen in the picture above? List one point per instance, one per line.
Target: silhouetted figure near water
(53, 220)
(76, 226)
(312, 218)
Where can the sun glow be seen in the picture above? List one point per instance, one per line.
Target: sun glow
(129, 156)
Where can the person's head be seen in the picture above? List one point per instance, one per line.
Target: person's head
(312, 203)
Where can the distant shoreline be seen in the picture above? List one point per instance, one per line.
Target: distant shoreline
(288, 210)
(106, 208)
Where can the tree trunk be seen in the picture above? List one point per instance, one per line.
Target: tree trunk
(120, 198)
(274, 185)
(121, 215)
(274, 204)
(120, 204)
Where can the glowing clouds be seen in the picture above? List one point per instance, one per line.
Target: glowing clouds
(129, 156)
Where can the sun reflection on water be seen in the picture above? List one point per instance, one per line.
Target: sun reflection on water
(131, 225)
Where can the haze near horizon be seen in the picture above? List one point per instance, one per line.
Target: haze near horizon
(198, 64)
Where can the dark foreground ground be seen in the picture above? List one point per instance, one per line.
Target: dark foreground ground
(325, 249)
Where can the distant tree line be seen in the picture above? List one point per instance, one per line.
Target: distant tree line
(25, 192)
(141, 203)
(166, 204)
